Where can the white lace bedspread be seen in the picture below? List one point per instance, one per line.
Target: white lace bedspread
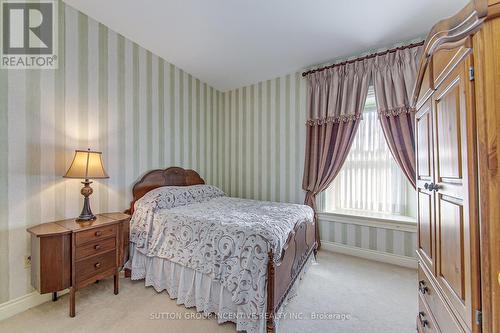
(226, 238)
(194, 289)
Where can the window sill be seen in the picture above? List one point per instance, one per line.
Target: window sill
(393, 222)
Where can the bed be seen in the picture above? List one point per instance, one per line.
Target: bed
(235, 257)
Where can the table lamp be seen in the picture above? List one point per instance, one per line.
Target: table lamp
(86, 165)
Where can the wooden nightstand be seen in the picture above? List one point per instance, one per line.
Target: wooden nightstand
(70, 254)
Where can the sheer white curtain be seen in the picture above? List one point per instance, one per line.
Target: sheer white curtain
(370, 179)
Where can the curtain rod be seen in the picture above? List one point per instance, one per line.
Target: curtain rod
(373, 55)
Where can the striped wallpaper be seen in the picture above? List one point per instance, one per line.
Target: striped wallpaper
(264, 140)
(401, 243)
(108, 94)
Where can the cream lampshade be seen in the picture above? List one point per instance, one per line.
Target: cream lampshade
(86, 165)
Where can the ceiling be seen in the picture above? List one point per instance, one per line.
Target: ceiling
(233, 43)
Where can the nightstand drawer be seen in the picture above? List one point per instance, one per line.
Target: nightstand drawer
(93, 248)
(87, 268)
(83, 237)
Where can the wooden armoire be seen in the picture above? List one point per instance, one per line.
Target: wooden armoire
(457, 97)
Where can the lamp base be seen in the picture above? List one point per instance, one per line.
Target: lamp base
(85, 218)
(86, 214)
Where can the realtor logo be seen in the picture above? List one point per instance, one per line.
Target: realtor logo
(29, 34)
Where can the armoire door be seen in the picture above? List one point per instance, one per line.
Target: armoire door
(454, 192)
(425, 176)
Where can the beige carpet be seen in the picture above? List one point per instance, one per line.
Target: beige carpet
(354, 295)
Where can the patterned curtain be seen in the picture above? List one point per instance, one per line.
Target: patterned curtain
(336, 98)
(394, 76)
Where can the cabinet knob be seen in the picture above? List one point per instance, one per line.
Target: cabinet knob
(422, 288)
(97, 265)
(98, 233)
(97, 247)
(423, 322)
(431, 187)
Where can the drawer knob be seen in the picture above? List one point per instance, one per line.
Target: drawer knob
(98, 233)
(423, 322)
(97, 247)
(422, 288)
(97, 265)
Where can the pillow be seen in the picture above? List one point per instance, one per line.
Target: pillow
(168, 197)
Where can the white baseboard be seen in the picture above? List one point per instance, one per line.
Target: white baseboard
(23, 303)
(370, 254)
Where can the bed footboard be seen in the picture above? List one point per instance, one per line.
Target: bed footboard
(282, 275)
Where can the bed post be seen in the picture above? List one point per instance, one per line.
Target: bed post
(270, 324)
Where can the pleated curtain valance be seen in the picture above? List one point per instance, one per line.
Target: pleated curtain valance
(394, 76)
(335, 93)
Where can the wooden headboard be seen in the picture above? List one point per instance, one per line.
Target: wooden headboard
(173, 176)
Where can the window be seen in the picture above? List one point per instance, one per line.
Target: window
(370, 179)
